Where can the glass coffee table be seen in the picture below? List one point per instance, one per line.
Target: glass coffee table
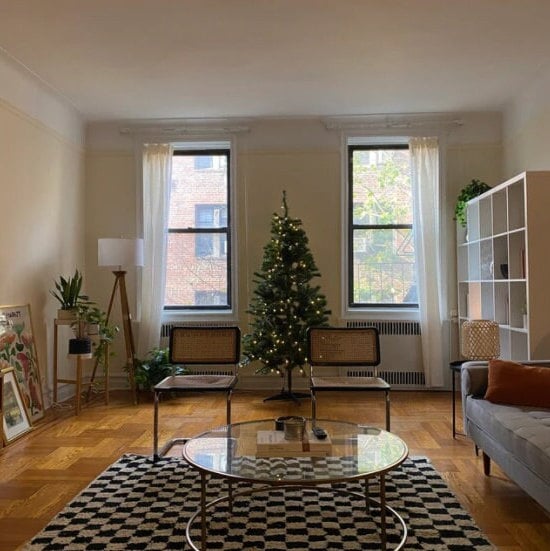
(254, 452)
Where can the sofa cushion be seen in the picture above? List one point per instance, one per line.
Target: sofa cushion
(523, 431)
(517, 384)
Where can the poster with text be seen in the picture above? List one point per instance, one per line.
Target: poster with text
(17, 350)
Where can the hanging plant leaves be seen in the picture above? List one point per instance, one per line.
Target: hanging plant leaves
(473, 189)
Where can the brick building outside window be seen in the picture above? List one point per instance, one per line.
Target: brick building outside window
(198, 269)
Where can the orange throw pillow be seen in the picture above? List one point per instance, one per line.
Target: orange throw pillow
(519, 385)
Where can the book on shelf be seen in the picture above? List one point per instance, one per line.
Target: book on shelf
(272, 443)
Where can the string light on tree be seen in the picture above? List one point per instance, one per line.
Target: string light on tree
(285, 303)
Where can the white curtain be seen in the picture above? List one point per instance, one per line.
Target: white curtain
(157, 164)
(425, 179)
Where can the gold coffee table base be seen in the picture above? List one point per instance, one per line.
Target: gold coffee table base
(201, 511)
(358, 453)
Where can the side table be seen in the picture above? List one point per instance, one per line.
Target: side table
(455, 367)
(79, 361)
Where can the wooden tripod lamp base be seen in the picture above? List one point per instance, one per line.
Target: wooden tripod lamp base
(120, 283)
(122, 252)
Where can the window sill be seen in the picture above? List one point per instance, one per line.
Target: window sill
(199, 315)
(381, 313)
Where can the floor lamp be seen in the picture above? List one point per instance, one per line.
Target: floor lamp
(120, 254)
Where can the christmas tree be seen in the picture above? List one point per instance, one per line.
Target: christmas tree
(285, 303)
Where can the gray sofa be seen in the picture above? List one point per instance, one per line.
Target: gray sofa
(516, 438)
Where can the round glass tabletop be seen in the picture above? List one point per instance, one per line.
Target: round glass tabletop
(256, 452)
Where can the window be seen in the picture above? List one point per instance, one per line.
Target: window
(381, 256)
(210, 216)
(198, 270)
(205, 162)
(202, 162)
(208, 298)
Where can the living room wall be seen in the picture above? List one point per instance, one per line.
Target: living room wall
(526, 129)
(59, 201)
(298, 155)
(42, 160)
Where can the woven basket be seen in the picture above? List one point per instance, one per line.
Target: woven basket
(480, 340)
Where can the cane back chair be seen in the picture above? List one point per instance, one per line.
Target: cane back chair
(358, 348)
(199, 346)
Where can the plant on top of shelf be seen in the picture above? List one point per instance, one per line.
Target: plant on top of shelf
(68, 293)
(473, 189)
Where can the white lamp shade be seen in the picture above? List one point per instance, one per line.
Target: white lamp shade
(119, 252)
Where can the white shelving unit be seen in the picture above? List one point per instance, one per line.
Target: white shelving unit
(503, 259)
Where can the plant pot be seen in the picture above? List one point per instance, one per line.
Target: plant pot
(92, 329)
(67, 315)
(80, 347)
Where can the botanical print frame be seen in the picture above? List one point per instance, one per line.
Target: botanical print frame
(15, 417)
(1, 402)
(17, 350)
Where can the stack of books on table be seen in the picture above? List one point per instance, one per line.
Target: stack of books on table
(272, 443)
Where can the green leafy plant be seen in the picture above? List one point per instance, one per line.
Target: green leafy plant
(473, 189)
(155, 368)
(91, 314)
(67, 291)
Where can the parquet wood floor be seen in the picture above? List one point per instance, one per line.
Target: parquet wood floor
(45, 469)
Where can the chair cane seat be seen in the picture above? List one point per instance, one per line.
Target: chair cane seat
(196, 382)
(349, 383)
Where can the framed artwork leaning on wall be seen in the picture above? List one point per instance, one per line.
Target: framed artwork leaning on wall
(15, 417)
(18, 350)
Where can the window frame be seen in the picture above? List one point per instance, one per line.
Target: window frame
(226, 151)
(350, 305)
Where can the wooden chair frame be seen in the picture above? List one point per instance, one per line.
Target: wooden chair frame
(199, 346)
(350, 347)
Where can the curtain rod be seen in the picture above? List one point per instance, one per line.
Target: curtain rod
(389, 122)
(184, 129)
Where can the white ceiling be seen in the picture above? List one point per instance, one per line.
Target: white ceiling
(138, 59)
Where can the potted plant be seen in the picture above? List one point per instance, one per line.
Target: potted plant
(96, 327)
(473, 189)
(67, 292)
(155, 368)
(81, 343)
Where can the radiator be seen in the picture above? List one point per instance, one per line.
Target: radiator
(400, 353)
(197, 369)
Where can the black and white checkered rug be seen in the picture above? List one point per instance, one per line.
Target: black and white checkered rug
(138, 504)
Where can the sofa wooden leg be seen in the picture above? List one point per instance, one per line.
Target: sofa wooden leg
(486, 464)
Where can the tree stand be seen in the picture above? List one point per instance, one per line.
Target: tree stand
(287, 394)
